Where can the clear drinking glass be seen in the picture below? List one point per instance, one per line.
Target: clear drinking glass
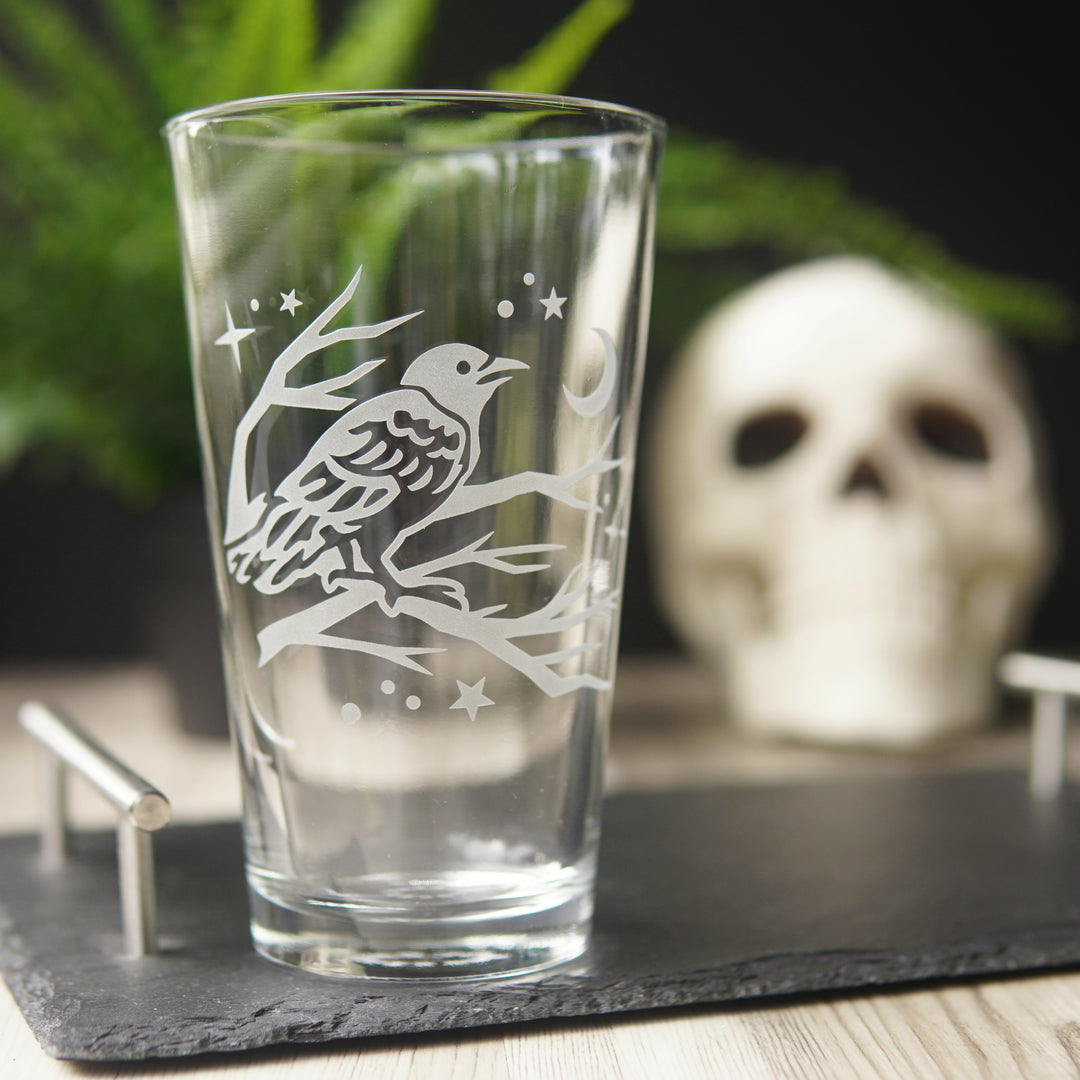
(417, 323)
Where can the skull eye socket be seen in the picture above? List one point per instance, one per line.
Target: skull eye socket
(950, 432)
(767, 436)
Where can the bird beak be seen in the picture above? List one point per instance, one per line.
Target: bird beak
(496, 366)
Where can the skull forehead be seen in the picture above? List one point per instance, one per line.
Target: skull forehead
(840, 323)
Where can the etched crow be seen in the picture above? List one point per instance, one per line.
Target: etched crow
(383, 467)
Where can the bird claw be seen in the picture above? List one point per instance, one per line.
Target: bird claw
(444, 591)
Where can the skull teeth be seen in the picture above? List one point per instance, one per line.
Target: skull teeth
(870, 574)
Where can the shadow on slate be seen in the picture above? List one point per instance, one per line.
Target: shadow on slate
(703, 896)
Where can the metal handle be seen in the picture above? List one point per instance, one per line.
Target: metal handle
(141, 810)
(1051, 682)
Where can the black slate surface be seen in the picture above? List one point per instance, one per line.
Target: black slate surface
(703, 896)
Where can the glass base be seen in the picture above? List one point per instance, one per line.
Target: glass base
(499, 937)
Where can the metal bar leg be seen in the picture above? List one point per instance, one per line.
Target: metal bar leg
(52, 783)
(138, 902)
(142, 809)
(1046, 775)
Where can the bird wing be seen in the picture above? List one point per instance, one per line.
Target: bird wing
(398, 448)
(399, 445)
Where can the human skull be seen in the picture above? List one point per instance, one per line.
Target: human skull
(845, 507)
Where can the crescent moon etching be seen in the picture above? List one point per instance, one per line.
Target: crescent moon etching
(594, 404)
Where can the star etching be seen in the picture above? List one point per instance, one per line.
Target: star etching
(552, 304)
(472, 698)
(386, 465)
(233, 336)
(290, 303)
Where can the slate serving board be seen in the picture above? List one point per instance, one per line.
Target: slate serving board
(704, 896)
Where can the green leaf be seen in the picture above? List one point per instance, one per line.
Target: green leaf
(378, 47)
(33, 413)
(552, 64)
(140, 30)
(195, 34)
(267, 49)
(715, 197)
(53, 162)
(71, 69)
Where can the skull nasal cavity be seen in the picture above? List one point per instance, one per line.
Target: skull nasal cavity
(766, 437)
(865, 476)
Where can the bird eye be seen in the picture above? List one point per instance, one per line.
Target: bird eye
(949, 432)
(463, 367)
(767, 437)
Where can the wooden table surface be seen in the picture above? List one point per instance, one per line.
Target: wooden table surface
(665, 734)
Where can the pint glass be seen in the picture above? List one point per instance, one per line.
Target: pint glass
(417, 327)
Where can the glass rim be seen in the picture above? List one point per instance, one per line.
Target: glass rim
(645, 122)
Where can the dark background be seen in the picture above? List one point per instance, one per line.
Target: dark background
(961, 118)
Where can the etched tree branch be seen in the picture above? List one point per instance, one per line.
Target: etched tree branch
(470, 497)
(496, 558)
(243, 512)
(308, 627)
(497, 635)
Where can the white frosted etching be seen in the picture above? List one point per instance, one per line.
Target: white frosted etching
(472, 698)
(289, 302)
(233, 336)
(418, 441)
(552, 304)
(594, 404)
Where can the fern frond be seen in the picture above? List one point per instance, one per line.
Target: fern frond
(562, 53)
(72, 72)
(140, 31)
(267, 49)
(715, 197)
(378, 47)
